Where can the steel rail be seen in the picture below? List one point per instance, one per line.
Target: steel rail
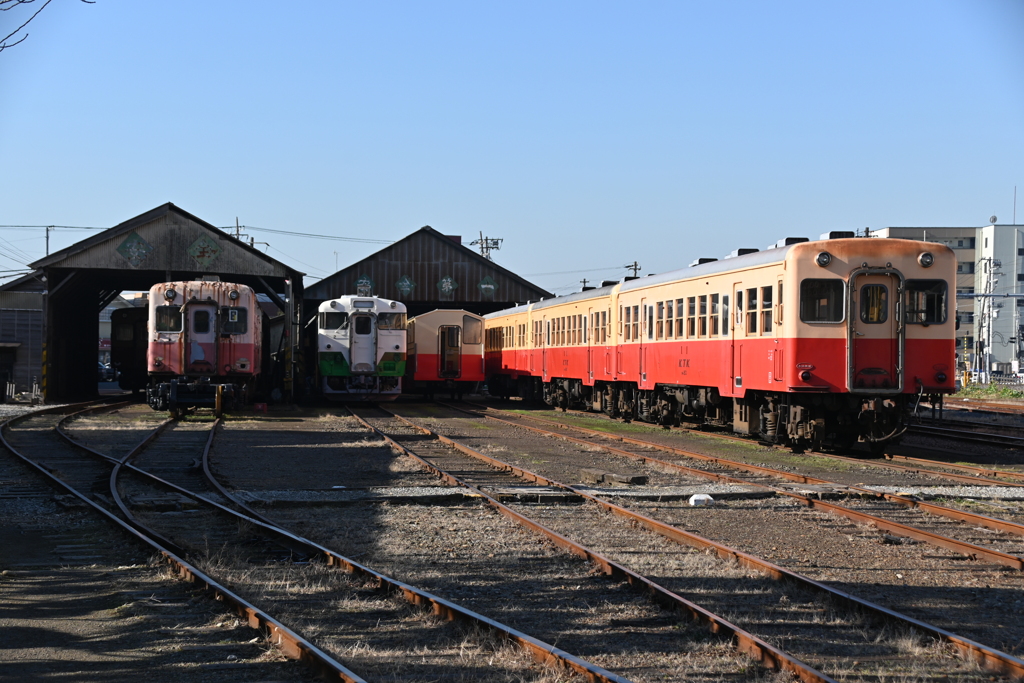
(745, 642)
(542, 652)
(970, 550)
(988, 657)
(972, 404)
(1012, 474)
(288, 642)
(976, 437)
(818, 454)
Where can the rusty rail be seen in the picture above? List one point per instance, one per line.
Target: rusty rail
(989, 472)
(542, 652)
(990, 658)
(747, 643)
(289, 642)
(968, 549)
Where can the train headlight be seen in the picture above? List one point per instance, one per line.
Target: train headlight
(824, 258)
(394, 304)
(170, 294)
(940, 377)
(926, 259)
(806, 375)
(233, 294)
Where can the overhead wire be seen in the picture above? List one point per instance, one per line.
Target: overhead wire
(336, 238)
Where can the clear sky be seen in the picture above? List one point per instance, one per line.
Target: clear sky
(587, 135)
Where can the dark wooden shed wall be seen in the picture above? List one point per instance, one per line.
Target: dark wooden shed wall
(426, 258)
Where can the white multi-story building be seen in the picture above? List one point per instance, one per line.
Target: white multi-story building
(990, 266)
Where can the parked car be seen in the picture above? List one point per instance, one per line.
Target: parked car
(106, 373)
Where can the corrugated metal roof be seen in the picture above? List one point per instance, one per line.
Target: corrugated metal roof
(427, 266)
(167, 238)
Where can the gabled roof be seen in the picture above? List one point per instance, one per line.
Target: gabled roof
(31, 282)
(319, 289)
(143, 219)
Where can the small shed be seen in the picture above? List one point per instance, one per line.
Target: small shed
(426, 271)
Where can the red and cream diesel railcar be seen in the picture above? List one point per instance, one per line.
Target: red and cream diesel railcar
(204, 344)
(446, 352)
(809, 342)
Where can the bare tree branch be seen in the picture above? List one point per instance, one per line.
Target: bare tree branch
(7, 5)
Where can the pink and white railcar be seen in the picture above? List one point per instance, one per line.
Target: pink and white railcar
(204, 344)
(807, 342)
(446, 352)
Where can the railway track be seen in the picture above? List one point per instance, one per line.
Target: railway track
(240, 548)
(805, 647)
(719, 469)
(966, 433)
(33, 439)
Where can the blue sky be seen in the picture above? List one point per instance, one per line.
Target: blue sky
(586, 135)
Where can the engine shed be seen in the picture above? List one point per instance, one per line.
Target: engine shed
(165, 244)
(426, 271)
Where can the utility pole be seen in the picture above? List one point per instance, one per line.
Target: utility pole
(634, 266)
(487, 245)
(48, 229)
(989, 312)
(584, 282)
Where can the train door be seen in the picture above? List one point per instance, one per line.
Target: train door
(643, 331)
(875, 328)
(449, 341)
(546, 341)
(363, 343)
(736, 341)
(779, 352)
(201, 349)
(589, 331)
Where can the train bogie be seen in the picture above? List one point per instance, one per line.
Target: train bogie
(204, 344)
(812, 342)
(446, 352)
(361, 347)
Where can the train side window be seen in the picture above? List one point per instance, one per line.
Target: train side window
(168, 318)
(821, 301)
(725, 314)
(471, 329)
(714, 315)
(629, 325)
(926, 302)
(636, 322)
(752, 311)
(874, 304)
(739, 307)
(548, 327)
(702, 320)
(669, 322)
(661, 320)
(691, 317)
(680, 320)
(201, 322)
(650, 322)
(766, 309)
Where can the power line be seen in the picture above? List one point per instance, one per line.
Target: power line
(336, 238)
(573, 272)
(64, 227)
